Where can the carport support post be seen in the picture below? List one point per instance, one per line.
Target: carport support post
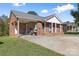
(44, 26)
(18, 26)
(52, 27)
(26, 28)
(60, 28)
(72, 28)
(55, 28)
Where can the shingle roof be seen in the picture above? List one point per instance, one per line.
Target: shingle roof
(26, 16)
(69, 23)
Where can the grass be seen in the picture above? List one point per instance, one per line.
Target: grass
(10, 46)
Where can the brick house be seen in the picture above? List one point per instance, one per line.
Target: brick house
(23, 23)
(70, 27)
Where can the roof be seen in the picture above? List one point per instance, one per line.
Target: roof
(51, 16)
(22, 15)
(69, 23)
(28, 17)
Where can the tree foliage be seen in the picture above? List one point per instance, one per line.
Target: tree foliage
(32, 13)
(4, 27)
(75, 14)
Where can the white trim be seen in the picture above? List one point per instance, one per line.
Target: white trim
(54, 20)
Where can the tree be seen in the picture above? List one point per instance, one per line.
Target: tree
(1, 23)
(32, 12)
(5, 25)
(75, 14)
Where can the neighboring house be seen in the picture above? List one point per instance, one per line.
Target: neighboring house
(23, 23)
(69, 27)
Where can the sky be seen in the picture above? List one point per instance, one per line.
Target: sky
(62, 10)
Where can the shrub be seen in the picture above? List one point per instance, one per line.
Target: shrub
(71, 33)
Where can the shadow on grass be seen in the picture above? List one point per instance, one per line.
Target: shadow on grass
(1, 42)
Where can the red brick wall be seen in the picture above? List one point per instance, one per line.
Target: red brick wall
(12, 20)
(39, 28)
(22, 28)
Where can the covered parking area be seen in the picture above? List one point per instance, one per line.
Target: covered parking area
(23, 23)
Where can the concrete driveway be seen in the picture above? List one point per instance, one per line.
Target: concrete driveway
(67, 45)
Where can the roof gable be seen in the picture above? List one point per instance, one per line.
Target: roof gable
(69, 23)
(53, 19)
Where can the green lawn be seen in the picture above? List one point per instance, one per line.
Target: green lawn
(10, 46)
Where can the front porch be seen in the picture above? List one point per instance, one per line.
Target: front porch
(27, 28)
(38, 27)
(23, 23)
(71, 28)
(53, 28)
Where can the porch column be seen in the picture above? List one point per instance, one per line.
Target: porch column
(60, 28)
(26, 28)
(69, 29)
(44, 26)
(72, 28)
(55, 28)
(52, 27)
(18, 27)
(14, 29)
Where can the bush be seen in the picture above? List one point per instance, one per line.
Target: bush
(71, 33)
(4, 26)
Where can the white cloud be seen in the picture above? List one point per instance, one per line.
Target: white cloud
(18, 4)
(44, 11)
(63, 8)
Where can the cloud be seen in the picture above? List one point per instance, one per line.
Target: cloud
(44, 11)
(18, 4)
(63, 8)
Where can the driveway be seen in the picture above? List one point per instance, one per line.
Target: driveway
(67, 45)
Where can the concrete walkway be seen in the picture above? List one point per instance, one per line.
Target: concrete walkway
(67, 45)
